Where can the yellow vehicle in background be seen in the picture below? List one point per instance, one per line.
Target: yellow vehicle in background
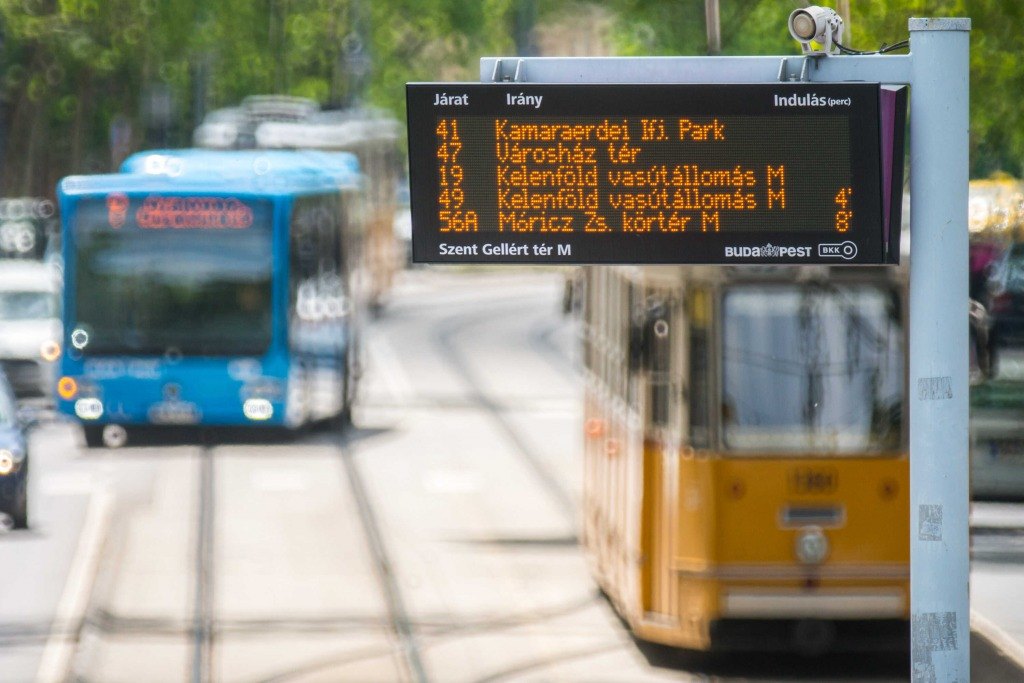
(746, 472)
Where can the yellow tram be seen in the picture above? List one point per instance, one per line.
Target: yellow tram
(746, 473)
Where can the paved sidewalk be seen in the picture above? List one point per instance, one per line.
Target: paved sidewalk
(997, 591)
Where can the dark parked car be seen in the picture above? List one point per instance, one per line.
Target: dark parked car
(13, 462)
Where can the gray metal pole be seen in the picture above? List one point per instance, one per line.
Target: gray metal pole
(714, 25)
(939, 484)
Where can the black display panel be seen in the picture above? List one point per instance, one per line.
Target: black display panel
(566, 173)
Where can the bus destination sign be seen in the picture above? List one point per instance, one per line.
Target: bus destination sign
(720, 174)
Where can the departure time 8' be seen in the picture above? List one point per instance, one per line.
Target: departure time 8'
(452, 196)
(843, 215)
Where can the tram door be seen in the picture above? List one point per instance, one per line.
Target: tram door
(659, 392)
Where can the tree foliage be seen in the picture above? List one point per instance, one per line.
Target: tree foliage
(84, 81)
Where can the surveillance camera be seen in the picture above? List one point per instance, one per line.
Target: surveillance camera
(818, 24)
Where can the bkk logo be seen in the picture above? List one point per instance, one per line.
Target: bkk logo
(768, 251)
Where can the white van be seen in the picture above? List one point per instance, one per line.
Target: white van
(30, 327)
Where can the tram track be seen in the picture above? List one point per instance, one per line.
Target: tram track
(199, 628)
(540, 340)
(444, 336)
(202, 632)
(406, 631)
(207, 639)
(399, 622)
(195, 627)
(204, 628)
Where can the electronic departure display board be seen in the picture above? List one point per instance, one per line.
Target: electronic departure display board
(644, 173)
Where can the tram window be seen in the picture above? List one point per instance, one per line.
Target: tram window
(623, 297)
(607, 338)
(698, 319)
(659, 382)
(812, 368)
(699, 428)
(656, 340)
(593, 321)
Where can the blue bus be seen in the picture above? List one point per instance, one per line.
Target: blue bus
(210, 288)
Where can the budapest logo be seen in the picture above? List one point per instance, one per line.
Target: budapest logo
(768, 251)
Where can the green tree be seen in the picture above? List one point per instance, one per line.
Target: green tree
(997, 73)
(72, 72)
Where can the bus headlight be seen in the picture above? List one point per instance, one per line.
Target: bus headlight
(811, 546)
(258, 409)
(89, 408)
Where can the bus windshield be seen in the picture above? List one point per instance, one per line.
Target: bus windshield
(812, 368)
(188, 276)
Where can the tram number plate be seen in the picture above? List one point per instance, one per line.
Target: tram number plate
(805, 480)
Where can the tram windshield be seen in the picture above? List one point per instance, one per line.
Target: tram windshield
(812, 368)
(199, 291)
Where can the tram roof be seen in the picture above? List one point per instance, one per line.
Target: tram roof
(252, 172)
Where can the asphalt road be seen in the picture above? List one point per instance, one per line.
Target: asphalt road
(433, 541)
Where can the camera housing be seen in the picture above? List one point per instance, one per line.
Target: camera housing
(816, 24)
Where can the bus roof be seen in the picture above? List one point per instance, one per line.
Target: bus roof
(181, 161)
(253, 172)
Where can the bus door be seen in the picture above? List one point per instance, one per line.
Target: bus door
(658, 390)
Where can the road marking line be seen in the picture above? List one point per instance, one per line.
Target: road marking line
(1002, 640)
(60, 646)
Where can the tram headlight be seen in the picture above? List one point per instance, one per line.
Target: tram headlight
(811, 546)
